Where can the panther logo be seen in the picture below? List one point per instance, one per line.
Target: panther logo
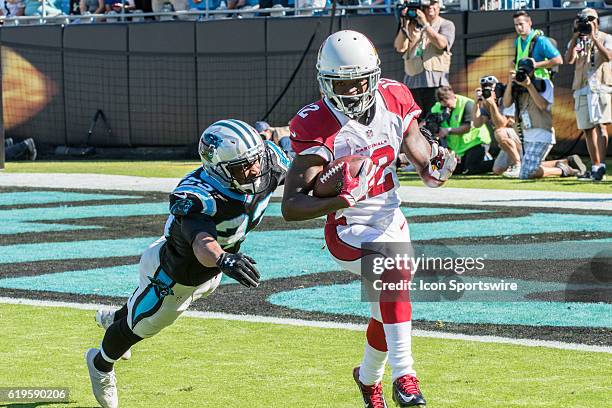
(210, 143)
(181, 207)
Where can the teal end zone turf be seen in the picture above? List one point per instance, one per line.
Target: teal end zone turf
(20, 228)
(119, 281)
(586, 249)
(536, 223)
(346, 299)
(103, 248)
(264, 246)
(46, 197)
(21, 220)
(274, 210)
(87, 211)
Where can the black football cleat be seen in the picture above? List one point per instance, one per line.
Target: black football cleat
(372, 394)
(406, 392)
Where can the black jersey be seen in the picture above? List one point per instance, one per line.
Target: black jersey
(200, 203)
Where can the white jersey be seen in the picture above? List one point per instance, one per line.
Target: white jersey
(322, 130)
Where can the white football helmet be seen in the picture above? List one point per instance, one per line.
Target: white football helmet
(348, 55)
(229, 147)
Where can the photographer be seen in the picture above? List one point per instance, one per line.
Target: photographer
(469, 143)
(532, 99)
(591, 51)
(425, 40)
(533, 44)
(487, 110)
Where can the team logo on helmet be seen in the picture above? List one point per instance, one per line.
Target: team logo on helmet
(212, 141)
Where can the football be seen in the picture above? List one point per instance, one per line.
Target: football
(329, 181)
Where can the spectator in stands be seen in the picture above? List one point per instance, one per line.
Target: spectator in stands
(25, 150)
(202, 4)
(163, 5)
(469, 143)
(489, 110)
(34, 8)
(12, 8)
(591, 51)
(532, 43)
(533, 99)
(240, 4)
(92, 6)
(425, 42)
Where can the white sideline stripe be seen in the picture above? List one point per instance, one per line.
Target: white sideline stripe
(416, 195)
(329, 325)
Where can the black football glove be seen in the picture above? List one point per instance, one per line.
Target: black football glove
(240, 268)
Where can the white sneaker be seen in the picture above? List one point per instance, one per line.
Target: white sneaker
(106, 317)
(103, 385)
(513, 171)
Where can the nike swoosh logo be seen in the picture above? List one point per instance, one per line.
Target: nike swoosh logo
(407, 399)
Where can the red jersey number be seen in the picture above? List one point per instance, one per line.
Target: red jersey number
(382, 158)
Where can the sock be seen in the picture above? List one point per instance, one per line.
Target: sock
(102, 364)
(117, 340)
(396, 312)
(372, 366)
(399, 341)
(121, 313)
(594, 168)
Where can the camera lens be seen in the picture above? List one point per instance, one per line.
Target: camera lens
(486, 93)
(521, 75)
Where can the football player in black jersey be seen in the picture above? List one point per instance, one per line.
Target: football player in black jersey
(211, 212)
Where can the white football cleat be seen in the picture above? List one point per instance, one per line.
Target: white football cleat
(106, 317)
(103, 385)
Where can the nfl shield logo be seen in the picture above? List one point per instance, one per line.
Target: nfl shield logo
(369, 133)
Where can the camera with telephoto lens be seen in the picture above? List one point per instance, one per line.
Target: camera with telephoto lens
(525, 68)
(433, 121)
(499, 89)
(411, 6)
(490, 84)
(583, 26)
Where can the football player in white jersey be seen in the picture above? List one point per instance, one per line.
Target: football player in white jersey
(362, 114)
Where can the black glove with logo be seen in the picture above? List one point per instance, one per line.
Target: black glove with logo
(240, 268)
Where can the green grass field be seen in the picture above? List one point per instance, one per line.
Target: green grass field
(217, 363)
(180, 168)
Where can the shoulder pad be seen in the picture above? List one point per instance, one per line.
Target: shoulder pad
(314, 125)
(279, 157)
(190, 198)
(398, 99)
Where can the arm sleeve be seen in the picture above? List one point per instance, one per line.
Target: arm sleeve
(193, 224)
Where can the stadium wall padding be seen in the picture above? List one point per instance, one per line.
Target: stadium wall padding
(231, 70)
(161, 83)
(32, 83)
(96, 78)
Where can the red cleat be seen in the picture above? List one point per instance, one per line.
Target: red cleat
(372, 394)
(406, 392)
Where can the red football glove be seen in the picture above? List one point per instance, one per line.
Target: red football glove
(356, 188)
